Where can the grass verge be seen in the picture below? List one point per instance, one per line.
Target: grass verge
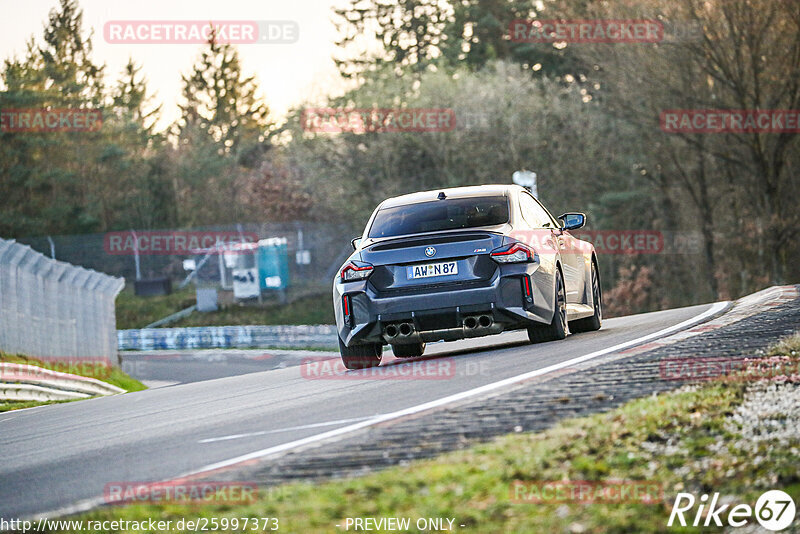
(696, 439)
(316, 308)
(133, 311)
(302, 308)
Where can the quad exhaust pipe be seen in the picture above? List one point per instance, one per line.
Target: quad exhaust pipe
(478, 321)
(395, 331)
(471, 326)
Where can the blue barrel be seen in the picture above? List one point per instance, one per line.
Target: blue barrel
(273, 263)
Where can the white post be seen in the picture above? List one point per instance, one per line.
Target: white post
(52, 247)
(136, 255)
(526, 179)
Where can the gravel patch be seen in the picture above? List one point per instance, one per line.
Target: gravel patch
(770, 413)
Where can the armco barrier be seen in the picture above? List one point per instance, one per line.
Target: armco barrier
(51, 309)
(228, 337)
(32, 392)
(31, 383)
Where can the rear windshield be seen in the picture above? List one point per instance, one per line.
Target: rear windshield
(437, 215)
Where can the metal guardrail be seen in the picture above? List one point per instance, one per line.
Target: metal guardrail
(186, 312)
(29, 382)
(29, 392)
(225, 337)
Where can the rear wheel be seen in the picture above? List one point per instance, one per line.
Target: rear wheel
(590, 324)
(557, 329)
(361, 356)
(408, 350)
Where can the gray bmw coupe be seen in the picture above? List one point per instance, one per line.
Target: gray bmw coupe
(463, 262)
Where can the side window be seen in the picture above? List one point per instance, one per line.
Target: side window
(534, 213)
(552, 221)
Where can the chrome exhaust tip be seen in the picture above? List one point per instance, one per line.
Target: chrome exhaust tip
(470, 322)
(406, 329)
(391, 331)
(485, 321)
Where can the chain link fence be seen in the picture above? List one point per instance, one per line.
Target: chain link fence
(315, 250)
(53, 310)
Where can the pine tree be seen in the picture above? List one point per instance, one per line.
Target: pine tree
(222, 132)
(140, 194)
(48, 176)
(412, 35)
(222, 103)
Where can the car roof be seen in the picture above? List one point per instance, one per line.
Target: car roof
(452, 192)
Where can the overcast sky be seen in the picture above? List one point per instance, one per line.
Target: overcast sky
(287, 73)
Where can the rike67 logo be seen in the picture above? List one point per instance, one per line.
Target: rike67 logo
(774, 510)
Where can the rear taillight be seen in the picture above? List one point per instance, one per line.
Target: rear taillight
(355, 271)
(513, 253)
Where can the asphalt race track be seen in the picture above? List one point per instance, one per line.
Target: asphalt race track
(58, 458)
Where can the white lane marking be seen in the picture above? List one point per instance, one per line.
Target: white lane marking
(156, 384)
(714, 309)
(302, 427)
(18, 411)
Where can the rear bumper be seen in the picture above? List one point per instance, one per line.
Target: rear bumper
(439, 314)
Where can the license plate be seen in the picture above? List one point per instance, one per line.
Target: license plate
(432, 269)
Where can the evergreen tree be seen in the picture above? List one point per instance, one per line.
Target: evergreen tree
(222, 103)
(223, 131)
(47, 177)
(140, 195)
(409, 36)
(409, 32)
(479, 32)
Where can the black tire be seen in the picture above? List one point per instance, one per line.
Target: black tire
(361, 356)
(557, 329)
(590, 324)
(408, 350)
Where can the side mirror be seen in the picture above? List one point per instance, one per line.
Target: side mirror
(355, 242)
(572, 221)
